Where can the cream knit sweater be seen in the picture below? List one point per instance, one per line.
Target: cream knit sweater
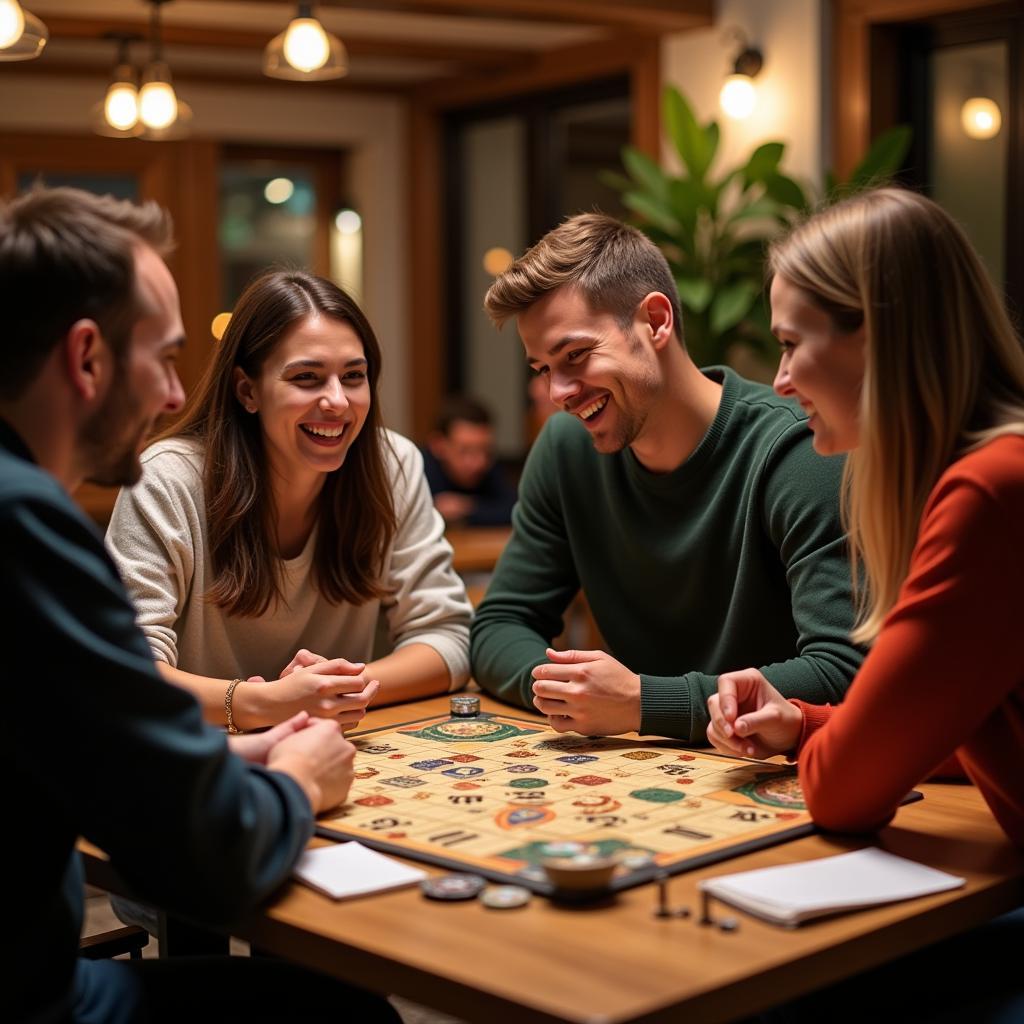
(157, 536)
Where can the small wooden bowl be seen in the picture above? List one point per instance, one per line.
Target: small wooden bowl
(579, 875)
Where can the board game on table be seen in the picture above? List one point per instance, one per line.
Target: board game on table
(492, 794)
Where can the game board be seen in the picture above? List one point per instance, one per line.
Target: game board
(485, 794)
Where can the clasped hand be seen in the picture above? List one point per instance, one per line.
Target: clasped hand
(588, 692)
(749, 717)
(334, 688)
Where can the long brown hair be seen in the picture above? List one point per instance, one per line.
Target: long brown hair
(353, 535)
(944, 369)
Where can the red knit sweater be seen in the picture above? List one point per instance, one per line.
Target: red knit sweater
(946, 673)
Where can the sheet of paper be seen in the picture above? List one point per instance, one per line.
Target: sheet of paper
(351, 869)
(792, 893)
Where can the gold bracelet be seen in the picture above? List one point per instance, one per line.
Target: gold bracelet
(228, 696)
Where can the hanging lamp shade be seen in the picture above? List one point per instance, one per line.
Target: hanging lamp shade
(22, 35)
(305, 51)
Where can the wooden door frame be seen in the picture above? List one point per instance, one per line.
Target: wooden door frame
(636, 56)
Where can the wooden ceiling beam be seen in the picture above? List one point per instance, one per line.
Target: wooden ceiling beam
(470, 56)
(640, 15)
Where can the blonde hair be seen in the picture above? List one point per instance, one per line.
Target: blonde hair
(614, 266)
(944, 367)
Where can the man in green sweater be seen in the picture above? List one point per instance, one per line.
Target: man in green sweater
(687, 504)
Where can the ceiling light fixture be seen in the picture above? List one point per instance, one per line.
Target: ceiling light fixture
(305, 51)
(117, 114)
(22, 35)
(739, 93)
(161, 114)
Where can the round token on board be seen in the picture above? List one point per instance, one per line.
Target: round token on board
(452, 887)
(464, 706)
(566, 849)
(505, 897)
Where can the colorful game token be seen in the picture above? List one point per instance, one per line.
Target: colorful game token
(464, 706)
(455, 886)
(505, 897)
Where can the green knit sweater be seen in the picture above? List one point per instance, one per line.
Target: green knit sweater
(735, 559)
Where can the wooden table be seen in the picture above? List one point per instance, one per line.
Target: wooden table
(616, 962)
(477, 548)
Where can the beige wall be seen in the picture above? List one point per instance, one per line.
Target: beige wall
(790, 98)
(371, 128)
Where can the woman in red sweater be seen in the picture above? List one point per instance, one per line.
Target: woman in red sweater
(898, 346)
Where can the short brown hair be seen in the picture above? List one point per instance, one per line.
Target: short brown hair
(614, 266)
(65, 255)
(461, 409)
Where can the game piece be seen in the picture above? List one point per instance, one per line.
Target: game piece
(505, 897)
(498, 796)
(728, 924)
(663, 907)
(705, 908)
(465, 706)
(455, 886)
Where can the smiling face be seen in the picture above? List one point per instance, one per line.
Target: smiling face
(821, 367)
(312, 396)
(596, 371)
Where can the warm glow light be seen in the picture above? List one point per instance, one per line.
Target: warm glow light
(306, 46)
(497, 260)
(158, 105)
(12, 23)
(278, 190)
(121, 107)
(219, 325)
(738, 96)
(348, 222)
(980, 118)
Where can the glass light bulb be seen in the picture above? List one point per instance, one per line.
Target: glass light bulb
(981, 118)
(738, 96)
(305, 44)
(121, 107)
(348, 222)
(12, 23)
(158, 105)
(279, 190)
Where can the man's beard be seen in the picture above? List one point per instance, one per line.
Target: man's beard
(112, 438)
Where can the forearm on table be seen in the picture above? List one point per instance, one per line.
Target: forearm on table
(409, 673)
(248, 709)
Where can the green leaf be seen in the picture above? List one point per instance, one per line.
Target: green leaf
(650, 209)
(762, 208)
(684, 201)
(686, 134)
(785, 190)
(711, 136)
(695, 292)
(830, 185)
(883, 158)
(731, 304)
(614, 180)
(645, 172)
(763, 161)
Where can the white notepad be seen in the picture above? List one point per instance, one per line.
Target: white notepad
(351, 869)
(793, 893)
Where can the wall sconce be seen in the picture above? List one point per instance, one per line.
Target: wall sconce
(981, 118)
(305, 51)
(739, 93)
(22, 35)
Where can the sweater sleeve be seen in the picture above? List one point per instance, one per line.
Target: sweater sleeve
(429, 603)
(800, 519)
(533, 583)
(154, 535)
(199, 830)
(943, 662)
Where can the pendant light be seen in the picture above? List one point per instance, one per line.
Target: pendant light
(305, 51)
(117, 114)
(22, 35)
(161, 114)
